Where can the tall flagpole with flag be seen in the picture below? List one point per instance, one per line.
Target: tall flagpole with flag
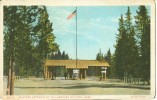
(69, 17)
(76, 38)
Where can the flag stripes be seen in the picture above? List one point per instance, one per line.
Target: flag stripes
(71, 15)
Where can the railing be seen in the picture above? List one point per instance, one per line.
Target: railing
(134, 80)
(19, 77)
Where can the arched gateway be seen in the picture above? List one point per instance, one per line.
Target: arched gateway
(71, 65)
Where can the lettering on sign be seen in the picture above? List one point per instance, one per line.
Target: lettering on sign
(103, 71)
(75, 71)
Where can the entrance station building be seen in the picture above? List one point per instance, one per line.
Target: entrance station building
(83, 66)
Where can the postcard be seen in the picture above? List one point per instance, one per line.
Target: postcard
(89, 49)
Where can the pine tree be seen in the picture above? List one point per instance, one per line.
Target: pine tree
(63, 55)
(28, 38)
(113, 66)
(143, 36)
(99, 56)
(108, 59)
(67, 57)
(18, 26)
(121, 50)
(59, 55)
(131, 60)
(45, 36)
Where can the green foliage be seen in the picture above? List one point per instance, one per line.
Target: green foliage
(99, 56)
(108, 56)
(121, 49)
(126, 55)
(28, 39)
(108, 59)
(46, 38)
(59, 56)
(132, 54)
(112, 66)
(143, 36)
(131, 60)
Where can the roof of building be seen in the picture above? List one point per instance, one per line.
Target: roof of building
(80, 63)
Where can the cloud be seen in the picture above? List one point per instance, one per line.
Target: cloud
(97, 19)
(90, 32)
(89, 36)
(97, 24)
(58, 16)
(100, 26)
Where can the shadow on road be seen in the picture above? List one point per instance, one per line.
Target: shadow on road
(79, 86)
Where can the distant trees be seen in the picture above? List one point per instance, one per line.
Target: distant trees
(107, 57)
(99, 56)
(59, 56)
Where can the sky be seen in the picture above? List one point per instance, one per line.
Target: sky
(97, 27)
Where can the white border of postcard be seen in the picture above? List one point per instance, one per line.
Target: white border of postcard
(81, 3)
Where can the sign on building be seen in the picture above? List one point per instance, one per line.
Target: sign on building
(75, 71)
(103, 71)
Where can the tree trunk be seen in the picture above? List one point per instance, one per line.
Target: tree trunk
(12, 81)
(9, 81)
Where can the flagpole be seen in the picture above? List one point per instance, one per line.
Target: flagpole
(76, 37)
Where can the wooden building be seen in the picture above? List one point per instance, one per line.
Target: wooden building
(70, 65)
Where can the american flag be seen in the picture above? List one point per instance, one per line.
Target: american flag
(71, 15)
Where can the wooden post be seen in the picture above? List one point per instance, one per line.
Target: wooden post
(91, 71)
(80, 74)
(67, 73)
(48, 73)
(84, 73)
(44, 72)
(52, 73)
